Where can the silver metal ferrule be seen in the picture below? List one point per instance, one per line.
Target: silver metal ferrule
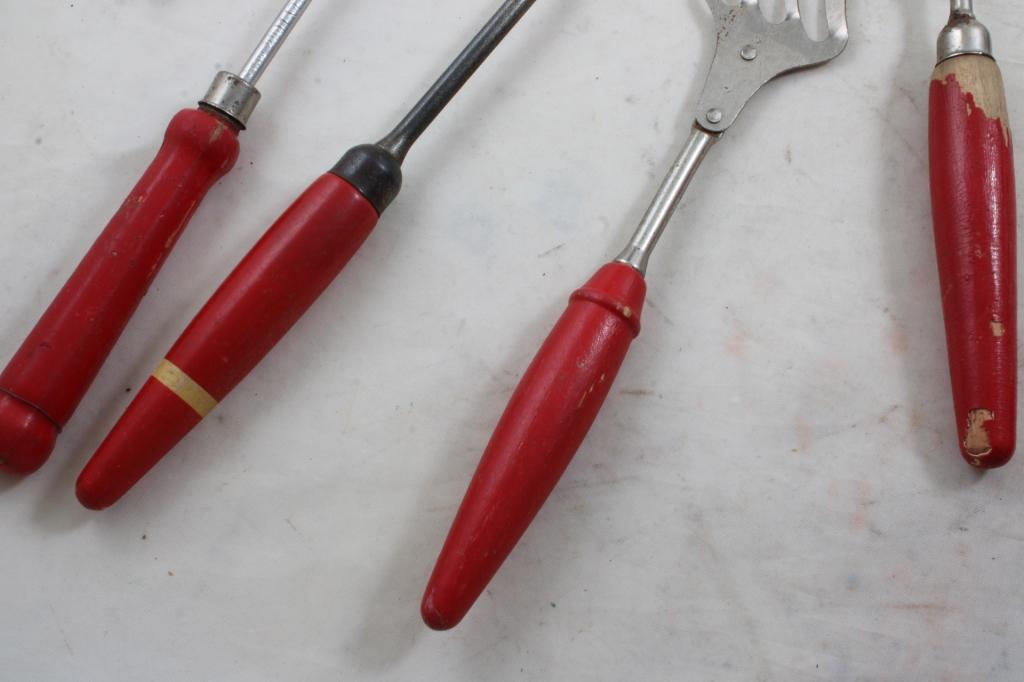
(233, 97)
(638, 252)
(236, 96)
(964, 34)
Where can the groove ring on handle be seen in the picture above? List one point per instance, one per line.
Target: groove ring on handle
(57, 425)
(630, 316)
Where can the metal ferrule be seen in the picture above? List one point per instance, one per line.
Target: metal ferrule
(233, 97)
(374, 171)
(964, 34)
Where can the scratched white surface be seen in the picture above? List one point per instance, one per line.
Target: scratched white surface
(772, 491)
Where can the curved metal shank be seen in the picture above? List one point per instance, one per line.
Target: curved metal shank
(750, 52)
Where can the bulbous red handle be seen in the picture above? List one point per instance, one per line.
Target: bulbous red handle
(975, 217)
(544, 424)
(51, 372)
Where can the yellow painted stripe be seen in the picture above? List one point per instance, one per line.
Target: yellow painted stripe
(183, 386)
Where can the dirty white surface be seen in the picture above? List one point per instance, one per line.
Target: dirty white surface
(772, 491)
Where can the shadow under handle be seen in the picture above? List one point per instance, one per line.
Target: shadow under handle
(544, 424)
(974, 214)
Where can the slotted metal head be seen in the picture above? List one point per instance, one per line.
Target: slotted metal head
(752, 51)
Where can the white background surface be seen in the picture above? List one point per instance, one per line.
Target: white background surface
(773, 489)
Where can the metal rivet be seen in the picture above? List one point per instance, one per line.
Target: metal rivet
(749, 52)
(714, 115)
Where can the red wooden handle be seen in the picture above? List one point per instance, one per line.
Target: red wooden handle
(46, 379)
(546, 420)
(276, 282)
(974, 210)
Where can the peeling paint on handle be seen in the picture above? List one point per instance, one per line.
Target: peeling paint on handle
(974, 212)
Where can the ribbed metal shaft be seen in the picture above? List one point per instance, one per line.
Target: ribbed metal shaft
(272, 40)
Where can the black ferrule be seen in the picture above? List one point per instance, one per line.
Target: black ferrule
(374, 171)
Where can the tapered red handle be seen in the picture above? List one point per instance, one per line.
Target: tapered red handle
(975, 219)
(276, 282)
(48, 376)
(547, 418)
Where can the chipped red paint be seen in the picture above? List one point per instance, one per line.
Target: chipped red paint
(544, 424)
(266, 294)
(974, 210)
(50, 373)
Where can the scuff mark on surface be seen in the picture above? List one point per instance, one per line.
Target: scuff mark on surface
(551, 250)
(977, 441)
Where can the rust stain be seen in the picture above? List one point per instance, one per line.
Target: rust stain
(861, 518)
(737, 345)
(899, 342)
(917, 606)
(917, 419)
(804, 434)
(977, 441)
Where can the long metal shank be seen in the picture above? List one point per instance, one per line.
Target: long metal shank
(400, 140)
(272, 41)
(638, 252)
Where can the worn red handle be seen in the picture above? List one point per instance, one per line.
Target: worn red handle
(276, 282)
(974, 209)
(46, 379)
(547, 418)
